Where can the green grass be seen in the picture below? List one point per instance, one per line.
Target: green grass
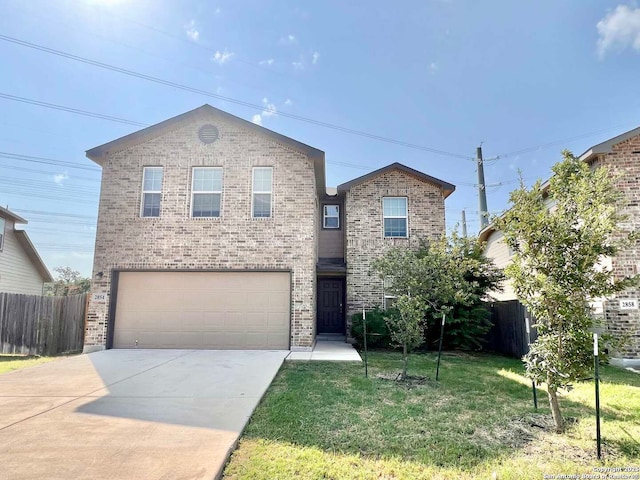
(325, 420)
(15, 362)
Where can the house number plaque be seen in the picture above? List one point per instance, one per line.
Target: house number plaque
(629, 304)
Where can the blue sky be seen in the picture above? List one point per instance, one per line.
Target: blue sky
(444, 75)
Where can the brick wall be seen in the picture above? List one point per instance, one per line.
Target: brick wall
(625, 164)
(233, 241)
(365, 236)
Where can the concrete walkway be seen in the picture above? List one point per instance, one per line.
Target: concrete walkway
(130, 414)
(328, 351)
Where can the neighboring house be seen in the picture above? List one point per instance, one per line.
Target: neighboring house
(214, 232)
(621, 155)
(21, 268)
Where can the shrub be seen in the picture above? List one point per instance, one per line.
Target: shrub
(465, 329)
(378, 335)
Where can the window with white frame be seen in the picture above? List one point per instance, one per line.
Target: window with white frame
(262, 192)
(151, 191)
(206, 192)
(395, 217)
(2, 225)
(331, 216)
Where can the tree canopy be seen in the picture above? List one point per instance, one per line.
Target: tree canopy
(449, 276)
(561, 233)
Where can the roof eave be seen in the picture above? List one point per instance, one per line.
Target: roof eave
(447, 188)
(6, 213)
(98, 153)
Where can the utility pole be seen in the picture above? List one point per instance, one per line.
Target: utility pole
(464, 224)
(482, 191)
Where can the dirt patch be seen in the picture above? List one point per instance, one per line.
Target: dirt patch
(409, 382)
(517, 432)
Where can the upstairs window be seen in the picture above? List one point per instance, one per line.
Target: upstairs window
(2, 224)
(331, 216)
(261, 192)
(206, 192)
(395, 217)
(151, 191)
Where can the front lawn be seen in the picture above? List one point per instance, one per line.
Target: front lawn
(15, 362)
(325, 420)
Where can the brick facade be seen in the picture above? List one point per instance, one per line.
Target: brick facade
(364, 229)
(624, 163)
(124, 240)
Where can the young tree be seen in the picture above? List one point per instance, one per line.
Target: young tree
(438, 277)
(468, 321)
(69, 282)
(406, 327)
(555, 269)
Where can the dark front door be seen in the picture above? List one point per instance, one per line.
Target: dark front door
(330, 305)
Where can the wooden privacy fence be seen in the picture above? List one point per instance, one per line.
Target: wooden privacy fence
(508, 334)
(37, 325)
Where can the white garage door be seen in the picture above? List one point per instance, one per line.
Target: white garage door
(228, 310)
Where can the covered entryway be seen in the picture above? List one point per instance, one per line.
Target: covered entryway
(331, 305)
(202, 310)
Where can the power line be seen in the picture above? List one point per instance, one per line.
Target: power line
(47, 161)
(71, 110)
(48, 172)
(198, 91)
(183, 40)
(558, 142)
(54, 214)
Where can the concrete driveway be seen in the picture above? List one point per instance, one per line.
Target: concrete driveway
(130, 414)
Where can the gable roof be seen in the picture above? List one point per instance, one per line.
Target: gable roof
(6, 213)
(607, 146)
(98, 154)
(448, 188)
(32, 253)
(589, 155)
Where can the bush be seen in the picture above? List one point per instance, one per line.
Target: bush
(378, 335)
(465, 329)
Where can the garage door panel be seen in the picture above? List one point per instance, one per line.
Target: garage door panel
(275, 320)
(257, 321)
(203, 310)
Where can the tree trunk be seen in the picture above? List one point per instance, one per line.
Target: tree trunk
(405, 360)
(555, 408)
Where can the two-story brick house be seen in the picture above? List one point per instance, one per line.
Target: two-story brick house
(214, 232)
(621, 156)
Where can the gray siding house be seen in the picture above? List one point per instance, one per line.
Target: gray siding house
(621, 155)
(214, 232)
(21, 268)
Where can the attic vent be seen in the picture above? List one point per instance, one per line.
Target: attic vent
(208, 134)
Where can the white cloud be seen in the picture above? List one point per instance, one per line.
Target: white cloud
(298, 65)
(191, 31)
(217, 11)
(618, 30)
(269, 61)
(315, 57)
(222, 57)
(59, 178)
(433, 68)
(269, 108)
(288, 102)
(288, 40)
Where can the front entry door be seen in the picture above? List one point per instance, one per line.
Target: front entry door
(330, 305)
